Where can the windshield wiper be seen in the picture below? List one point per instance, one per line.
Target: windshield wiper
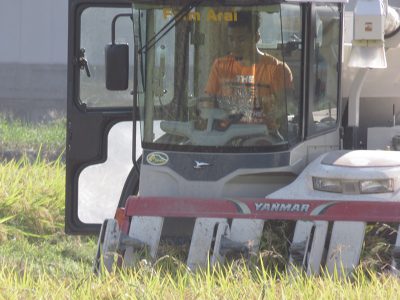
(170, 24)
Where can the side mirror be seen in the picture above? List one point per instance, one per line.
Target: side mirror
(117, 61)
(117, 66)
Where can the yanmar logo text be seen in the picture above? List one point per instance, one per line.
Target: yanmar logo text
(282, 207)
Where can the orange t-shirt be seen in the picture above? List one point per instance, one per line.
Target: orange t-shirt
(254, 87)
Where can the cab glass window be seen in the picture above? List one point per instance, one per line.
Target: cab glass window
(95, 35)
(226, 77)
(324, 107)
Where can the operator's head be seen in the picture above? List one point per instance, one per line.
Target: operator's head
(243, 33)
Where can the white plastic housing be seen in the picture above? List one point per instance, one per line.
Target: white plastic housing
(369, 20)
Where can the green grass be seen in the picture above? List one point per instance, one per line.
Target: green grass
(32, 224)
(19, 137)
(31, 198)
(156, 282)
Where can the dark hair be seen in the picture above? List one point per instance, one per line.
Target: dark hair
(246, 18)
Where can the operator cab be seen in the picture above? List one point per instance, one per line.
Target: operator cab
(228, 99)
(203, 79)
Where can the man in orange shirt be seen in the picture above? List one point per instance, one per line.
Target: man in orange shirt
(248, 81)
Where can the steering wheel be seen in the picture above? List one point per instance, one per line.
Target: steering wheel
(221, 128)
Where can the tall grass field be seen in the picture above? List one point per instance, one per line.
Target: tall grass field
(18, 139)
(38, 261)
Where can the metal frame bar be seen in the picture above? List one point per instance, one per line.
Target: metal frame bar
(267, 209)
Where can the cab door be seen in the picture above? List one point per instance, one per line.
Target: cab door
(99, 120)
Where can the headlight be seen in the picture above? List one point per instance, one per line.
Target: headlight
(332, 185)
(327, 185)
(376, 186)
